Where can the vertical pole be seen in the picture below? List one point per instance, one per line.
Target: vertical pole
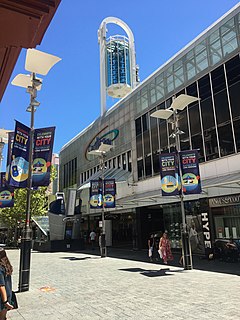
(26, 242)
(186, 247)
(103, 236)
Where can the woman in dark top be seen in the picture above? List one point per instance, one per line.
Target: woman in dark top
(5, 284)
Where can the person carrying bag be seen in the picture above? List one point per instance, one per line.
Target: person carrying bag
(6, 295)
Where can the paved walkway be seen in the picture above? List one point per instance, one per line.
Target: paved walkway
(83, 286)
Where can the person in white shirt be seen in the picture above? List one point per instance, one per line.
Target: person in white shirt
(92, 238)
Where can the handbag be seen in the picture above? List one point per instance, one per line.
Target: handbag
(160, 253)
(14, 302)
(150, 251)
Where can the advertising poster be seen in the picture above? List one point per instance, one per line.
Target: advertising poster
(96, 194)
(18, 169)
(190, 172)
(6, 193)
(42, 156)
(169, 174)
(109, 193)
(9, 153)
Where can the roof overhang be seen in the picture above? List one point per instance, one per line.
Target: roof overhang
(23, 24)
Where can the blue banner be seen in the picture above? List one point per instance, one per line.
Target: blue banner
(6, 192)
(169, 172)
(109, 193)
(9, 153)
(42, 156)
(96, 194)
(18, 172)
(190, 172)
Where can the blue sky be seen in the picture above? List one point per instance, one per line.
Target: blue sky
(70, 95)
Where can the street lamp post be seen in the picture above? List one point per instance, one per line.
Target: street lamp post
(36, 62)
(180, 103)
(104, 146)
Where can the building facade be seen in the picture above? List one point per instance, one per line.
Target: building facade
(207, 68)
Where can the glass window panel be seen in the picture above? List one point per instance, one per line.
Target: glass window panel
(201, 56)
(138, 105)
(138, 126)
(139, 146)
(163, 135)
(156, 166)
(218, 79)
(192, 89)
(233, 70)
(190, 65)
(234, 93)
(222, 107)
(197, 143)
(211, 147)
(148, 166)
(140, 169)
(129, 160)
(168, 103)
(183, 126)
(154, 132)
(146, 142)
(145, 122)
(178, 74)
(215, 48)
(225, 137)
(160, 87)
(236, 125)
(144, 99)
(207, 113)
(169, 80)
(204, 87)
(229, 37)
(152, 91)
(194, 119)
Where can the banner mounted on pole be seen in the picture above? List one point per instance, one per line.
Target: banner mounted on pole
(6, 193)
(9, 154)
(109, 193)
(169, 172)
(42, 156)
(190, 172)
(96, 194)
(18, 169)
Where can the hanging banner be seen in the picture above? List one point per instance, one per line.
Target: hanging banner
(18, 172)
(42, 156)
(190, 172)
(6, 193)
(170, 182)
(9, 153)
(96, 194)
(109, 193)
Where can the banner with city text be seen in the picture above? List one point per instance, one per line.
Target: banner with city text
(9, 154)
(96, 194)
(190, 172)
(169, 172)
(42, 156)
(109, 193)
(6, 192)
(18, 168)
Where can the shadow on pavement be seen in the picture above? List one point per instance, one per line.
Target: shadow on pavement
(152, 273)
(199, 263)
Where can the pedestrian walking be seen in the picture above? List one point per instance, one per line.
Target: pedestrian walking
(6, 270)
(165, 247)
(92, 239)
(151, 244)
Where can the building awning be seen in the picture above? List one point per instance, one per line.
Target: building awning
(118, 174)
(211, 187)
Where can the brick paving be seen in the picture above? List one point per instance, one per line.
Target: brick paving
(85, 286)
